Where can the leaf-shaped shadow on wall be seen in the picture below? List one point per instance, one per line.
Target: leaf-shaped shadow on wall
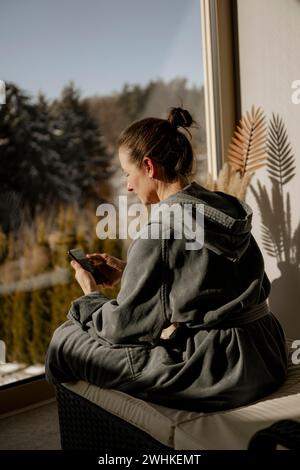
(277, 237)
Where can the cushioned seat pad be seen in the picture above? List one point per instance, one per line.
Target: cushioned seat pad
(180, 429)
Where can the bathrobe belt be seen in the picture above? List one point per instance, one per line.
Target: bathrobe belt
(243, 317)
(233, 320)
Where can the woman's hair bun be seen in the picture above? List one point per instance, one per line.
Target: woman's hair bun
(179, 117)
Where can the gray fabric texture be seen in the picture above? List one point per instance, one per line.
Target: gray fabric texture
(214, 360)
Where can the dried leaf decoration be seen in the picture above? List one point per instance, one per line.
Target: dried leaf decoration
(247, 152)
(281, 163)
(229, 181)
(248, 149)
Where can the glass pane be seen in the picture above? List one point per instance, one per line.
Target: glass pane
(73, 75)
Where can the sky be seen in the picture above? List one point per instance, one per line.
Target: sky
(98, 44)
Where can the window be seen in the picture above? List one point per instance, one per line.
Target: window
(77, 73)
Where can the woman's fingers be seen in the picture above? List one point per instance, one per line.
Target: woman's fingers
(115, 263)
(101, 255)
(75, 265)
(110, 266)
(96, 258)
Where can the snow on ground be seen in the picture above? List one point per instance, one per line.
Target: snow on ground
(12, 372)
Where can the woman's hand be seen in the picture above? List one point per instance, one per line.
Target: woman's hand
(110, 266)
(84, 279)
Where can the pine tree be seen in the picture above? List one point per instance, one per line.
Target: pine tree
(79, 142)
(48, 170)
(20, 328)
(6, 321)
(40, 319)
(31, 171)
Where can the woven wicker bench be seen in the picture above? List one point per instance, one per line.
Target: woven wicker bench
(86, 426)
(108, 420)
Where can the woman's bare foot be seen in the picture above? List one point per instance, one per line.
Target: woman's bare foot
(166, 332)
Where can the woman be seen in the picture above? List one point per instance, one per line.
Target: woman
(190, 328)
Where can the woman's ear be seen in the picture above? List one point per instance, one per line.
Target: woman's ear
(150, 167)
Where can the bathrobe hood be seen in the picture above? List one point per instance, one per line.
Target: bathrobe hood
(227, 220)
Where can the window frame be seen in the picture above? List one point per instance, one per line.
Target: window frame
(222, 109)
(25, 393)
(221, 77)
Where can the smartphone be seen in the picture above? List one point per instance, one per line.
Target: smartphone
(78, 255)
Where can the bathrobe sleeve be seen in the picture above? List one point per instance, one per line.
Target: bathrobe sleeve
(138, 312)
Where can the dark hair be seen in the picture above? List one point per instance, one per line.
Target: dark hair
(162, 141)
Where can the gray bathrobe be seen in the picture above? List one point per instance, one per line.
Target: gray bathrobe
(228, 349)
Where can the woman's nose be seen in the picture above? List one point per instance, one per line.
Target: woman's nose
(129, 188)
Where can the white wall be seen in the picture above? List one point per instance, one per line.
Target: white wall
(269, 43)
